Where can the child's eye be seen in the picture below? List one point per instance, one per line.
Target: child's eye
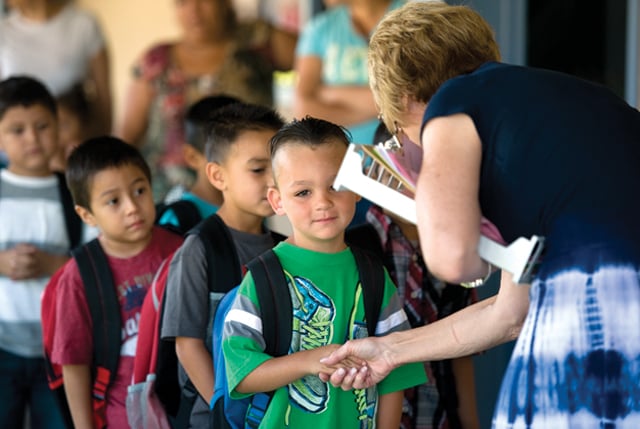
(16, 130)
(42, 126)
(258, 170)
(112, 202)
(139, 191)
(302, 193)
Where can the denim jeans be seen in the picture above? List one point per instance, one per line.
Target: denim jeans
(23, 383)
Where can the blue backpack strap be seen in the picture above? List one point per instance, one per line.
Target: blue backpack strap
(276, 309)
(72, 221)
(105, 315)
(371, 272)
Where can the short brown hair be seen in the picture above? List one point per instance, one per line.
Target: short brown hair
(308, 131)
(227, 123)
(419, 46)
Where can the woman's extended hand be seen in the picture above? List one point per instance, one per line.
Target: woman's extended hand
(369, 360)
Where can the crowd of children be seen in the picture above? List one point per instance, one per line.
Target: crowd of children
(249, 165)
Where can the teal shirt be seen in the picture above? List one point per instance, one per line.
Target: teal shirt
(328, 308)
(331, 37)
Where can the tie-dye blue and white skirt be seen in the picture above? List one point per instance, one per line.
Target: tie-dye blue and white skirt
(576, 363)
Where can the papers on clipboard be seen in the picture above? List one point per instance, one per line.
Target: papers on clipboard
(388, 179)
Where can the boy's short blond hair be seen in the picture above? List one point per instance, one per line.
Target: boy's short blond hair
(419, 46)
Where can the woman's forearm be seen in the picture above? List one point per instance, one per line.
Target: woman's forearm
(478, 327)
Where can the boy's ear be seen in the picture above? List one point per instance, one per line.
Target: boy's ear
(192, 157)
(85, 215)
(215, 174)
(274, 198)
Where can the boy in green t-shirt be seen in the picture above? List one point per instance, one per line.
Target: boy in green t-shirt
(328, 306)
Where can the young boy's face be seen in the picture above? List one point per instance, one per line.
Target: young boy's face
(122, 207)
(318, 213)
(245, 175)
(29, 137)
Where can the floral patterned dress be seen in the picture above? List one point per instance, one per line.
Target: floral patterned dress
(243, 75)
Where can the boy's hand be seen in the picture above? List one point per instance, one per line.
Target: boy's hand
(323, 352)
(280, 371)
(18, 262)
(26, 261)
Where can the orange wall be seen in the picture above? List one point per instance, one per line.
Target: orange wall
(130, 26)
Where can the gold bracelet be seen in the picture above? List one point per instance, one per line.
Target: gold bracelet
(479, 282)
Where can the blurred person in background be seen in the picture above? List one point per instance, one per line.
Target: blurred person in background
(64, 47)
(207, 59)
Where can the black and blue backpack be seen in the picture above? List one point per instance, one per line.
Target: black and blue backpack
(185, 211)
(275, 304)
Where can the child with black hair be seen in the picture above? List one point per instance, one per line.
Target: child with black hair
(238, 165)
(111, 187)
(35, 239)
(202, 199)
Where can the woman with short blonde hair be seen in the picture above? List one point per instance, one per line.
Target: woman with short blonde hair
(414, 51)
(537, 153)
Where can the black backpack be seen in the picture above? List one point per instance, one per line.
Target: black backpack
(105, 314)
(186, 213)
(224, 272)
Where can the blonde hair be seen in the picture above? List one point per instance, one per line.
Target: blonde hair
(419, 46)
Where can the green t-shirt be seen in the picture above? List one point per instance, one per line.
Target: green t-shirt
(328, 308)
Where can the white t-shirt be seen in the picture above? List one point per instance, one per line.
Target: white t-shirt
(57, 52)
(30, 212)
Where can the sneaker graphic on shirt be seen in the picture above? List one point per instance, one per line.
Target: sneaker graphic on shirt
(366, 402)
(313, 314)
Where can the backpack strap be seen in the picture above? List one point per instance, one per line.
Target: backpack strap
(71, 219)
(224, 269)
(277, 237)
(271, 288)
(372, 278)
(223, 274)
(276, 308)
(105, 316)
(365, 236)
